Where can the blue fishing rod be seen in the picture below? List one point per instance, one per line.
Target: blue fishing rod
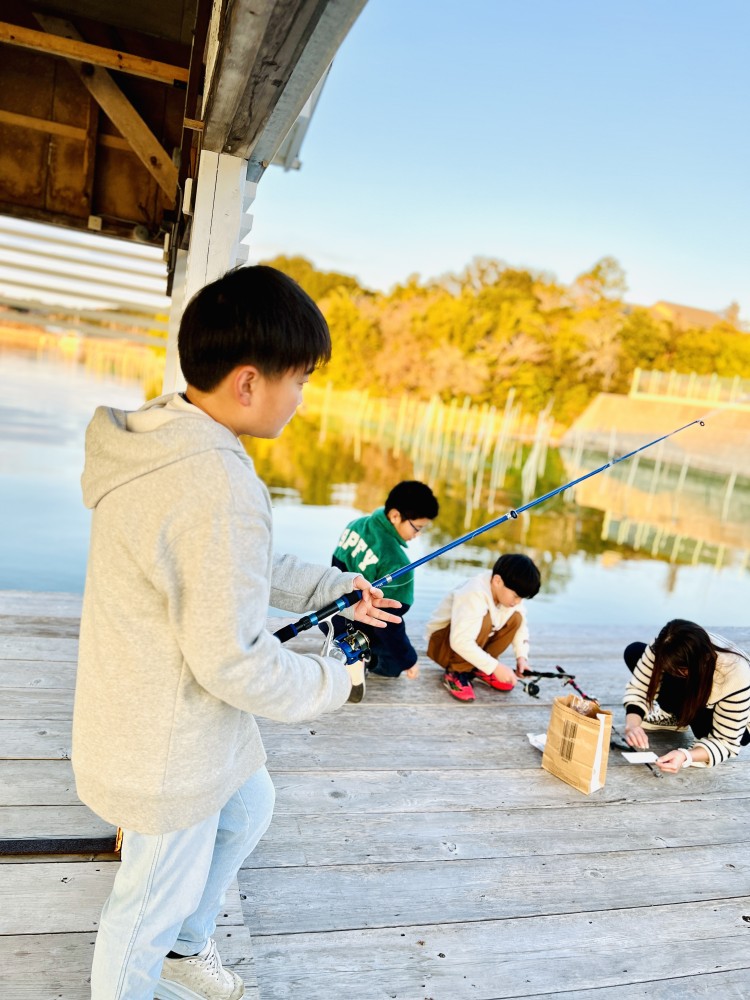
(352, 650)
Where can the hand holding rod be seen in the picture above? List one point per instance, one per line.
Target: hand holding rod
(347, 600)
(309, 621)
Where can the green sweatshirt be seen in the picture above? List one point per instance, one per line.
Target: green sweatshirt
(372, 546)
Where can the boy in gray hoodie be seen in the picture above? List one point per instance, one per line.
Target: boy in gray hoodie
(174, 657)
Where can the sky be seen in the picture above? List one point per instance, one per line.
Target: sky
(545, 133)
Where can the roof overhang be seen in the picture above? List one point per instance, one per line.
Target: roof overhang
(105, 106)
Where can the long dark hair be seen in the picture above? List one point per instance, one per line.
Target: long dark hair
(684, 649)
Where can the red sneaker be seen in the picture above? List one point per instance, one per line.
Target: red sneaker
(491, 681)
(459, 686)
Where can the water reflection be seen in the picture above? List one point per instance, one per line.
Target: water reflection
(640, 543)
(46, 401)
(645, 541)
(672, 512)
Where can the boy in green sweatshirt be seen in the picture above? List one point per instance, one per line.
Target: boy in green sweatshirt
(375, 546)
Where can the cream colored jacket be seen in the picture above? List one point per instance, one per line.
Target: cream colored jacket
(464, 608)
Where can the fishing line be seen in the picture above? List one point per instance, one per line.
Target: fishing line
(346, 600)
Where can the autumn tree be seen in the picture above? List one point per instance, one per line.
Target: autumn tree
(492, 328)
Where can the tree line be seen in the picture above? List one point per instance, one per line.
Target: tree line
(493, 327)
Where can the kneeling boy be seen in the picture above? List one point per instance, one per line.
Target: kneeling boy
(477, 622)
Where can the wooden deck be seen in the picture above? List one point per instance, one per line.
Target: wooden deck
(418, 849)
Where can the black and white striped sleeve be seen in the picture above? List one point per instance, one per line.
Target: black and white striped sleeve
(731, 716)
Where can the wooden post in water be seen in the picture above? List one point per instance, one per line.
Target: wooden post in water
(501, 454)
(462, 442)
(728, 496)
(447, 442)
(655, 474)
(359, 409)
(400, 425)
(438, 442)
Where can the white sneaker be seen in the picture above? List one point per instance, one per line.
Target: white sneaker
(657, 718)
(201, 977)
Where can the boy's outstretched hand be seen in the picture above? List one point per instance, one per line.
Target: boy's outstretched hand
(370, 609)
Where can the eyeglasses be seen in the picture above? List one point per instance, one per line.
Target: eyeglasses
(417, 527)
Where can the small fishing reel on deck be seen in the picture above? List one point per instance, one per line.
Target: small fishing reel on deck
(531, 687)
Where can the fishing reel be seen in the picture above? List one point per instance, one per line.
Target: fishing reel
(530, 680)
(530, 687)
(349, 647)
(352, 643)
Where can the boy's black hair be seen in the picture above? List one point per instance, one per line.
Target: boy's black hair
(519, 573)
(250, 316)
(412, 499)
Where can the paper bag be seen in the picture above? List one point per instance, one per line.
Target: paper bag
(577, 746)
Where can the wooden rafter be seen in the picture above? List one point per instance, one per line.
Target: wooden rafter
(120, 111)
(96, 55)
(43, 125)
(68, 131)
(88, 163)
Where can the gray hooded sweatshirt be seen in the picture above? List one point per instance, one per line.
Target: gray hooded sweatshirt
(174, 655)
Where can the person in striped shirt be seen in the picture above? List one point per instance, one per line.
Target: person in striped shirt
(702, 682)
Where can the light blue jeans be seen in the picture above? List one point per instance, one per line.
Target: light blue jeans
(169, 889)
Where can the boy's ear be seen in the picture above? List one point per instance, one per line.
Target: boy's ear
(244, 381)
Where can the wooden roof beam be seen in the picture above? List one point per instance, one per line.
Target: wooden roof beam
(96, 55)
(120, 112)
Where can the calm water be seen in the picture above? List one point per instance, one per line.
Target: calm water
(590, 576)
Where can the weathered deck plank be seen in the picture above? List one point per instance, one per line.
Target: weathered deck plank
(23, 603)
(52, 822)
(29, 647)
(42, 729)
(348, 896)
(41, 674)
(363, 792)
(66, 897)
(502, 749)
(37, 782)
(389, 838)
(625, 949)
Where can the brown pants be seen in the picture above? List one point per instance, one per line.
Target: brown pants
(440, 650)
